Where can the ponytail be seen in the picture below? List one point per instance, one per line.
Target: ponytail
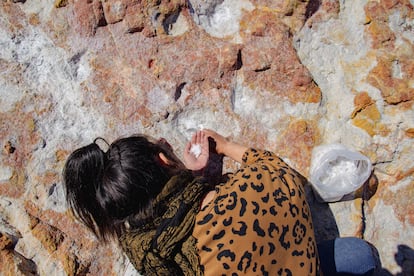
(106, 190)
(82, 176)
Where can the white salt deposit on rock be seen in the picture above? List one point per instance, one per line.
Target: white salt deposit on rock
(5, 173)
(200, 117)
(221, 18)
(71, 89)
(195, 150)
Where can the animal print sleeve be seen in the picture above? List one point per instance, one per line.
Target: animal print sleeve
(258, 223)
(253, 156)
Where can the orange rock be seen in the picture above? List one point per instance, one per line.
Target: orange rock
(6, 242)
(382, 35)
(369, 119)
(85, 17)
(407, 66)
(72, 264)
(34, 20)
(375, 11)
(134, 19)
(410, 132)
(298, 141)
(48, 178)
(61, 3)
(49, 236)
(7, 263)
(361, 101)
(401, 202)
(15, 186)
(61, 155)
(229, 58)
(388, 4)
(394, 91)
(269, 60)
(114, 11)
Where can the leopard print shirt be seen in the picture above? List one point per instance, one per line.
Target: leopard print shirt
(259, 222)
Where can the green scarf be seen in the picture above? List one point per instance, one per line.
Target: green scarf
(165, 245)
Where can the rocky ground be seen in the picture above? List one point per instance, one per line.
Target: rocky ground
(283, 75)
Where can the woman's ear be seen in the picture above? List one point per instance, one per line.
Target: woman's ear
(164, 160)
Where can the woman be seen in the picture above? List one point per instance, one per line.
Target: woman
(170, 222)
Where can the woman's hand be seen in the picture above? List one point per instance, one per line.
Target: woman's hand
(220, 141)
(226, 147)
(196, 152)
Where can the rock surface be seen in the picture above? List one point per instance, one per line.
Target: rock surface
(281, 75)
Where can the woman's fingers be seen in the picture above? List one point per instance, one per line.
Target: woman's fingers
(219, 140)
(198, 137)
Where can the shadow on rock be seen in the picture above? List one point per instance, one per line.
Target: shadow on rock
(323, 219)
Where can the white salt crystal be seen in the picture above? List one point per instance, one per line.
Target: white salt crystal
(6, 173)
(195, 150)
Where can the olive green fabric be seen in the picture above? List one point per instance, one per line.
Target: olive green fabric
(165, 245)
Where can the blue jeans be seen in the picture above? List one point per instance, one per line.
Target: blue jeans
(348, 256)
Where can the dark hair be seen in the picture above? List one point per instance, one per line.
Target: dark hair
(107, 189)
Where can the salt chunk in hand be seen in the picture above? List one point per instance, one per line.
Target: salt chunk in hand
(195, 150)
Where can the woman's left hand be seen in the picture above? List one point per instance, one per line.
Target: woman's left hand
(196, 152)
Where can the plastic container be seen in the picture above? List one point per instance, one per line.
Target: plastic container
(337, 171)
